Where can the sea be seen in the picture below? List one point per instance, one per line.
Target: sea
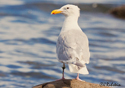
(28, 35)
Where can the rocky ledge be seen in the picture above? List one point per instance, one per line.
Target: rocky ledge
(69, 83)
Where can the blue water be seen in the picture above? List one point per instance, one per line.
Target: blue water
(28, 35)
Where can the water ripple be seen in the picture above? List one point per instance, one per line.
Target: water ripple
(28, 35)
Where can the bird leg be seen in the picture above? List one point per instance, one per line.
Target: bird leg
(77, 78)
(63, 70)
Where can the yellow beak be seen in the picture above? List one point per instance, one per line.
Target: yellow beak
(57, 11)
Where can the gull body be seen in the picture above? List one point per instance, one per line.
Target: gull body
(72, 46)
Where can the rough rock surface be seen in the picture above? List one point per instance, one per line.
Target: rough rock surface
(69, 83)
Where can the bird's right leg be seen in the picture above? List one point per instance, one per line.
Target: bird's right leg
(63, 70)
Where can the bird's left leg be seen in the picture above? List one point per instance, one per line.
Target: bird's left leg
(77, 78)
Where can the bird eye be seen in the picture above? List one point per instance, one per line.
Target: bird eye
(67, 7)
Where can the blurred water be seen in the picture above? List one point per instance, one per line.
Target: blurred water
(28, 35)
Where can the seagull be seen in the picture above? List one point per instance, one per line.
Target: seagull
(72, 46)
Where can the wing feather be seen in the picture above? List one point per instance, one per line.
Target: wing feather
(73, 46)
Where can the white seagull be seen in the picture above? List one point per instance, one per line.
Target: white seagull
(72, 46)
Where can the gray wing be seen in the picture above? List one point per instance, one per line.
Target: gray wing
(72, 46)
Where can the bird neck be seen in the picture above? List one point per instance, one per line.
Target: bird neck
(70, 23)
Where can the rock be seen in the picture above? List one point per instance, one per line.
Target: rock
(118, 11)
(69, 83)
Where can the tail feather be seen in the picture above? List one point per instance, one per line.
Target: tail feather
(80, 64)
(77, 69)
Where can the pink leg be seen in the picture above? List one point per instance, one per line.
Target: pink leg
(77, 78)
(62, 73)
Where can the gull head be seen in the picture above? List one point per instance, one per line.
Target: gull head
(68, 10)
